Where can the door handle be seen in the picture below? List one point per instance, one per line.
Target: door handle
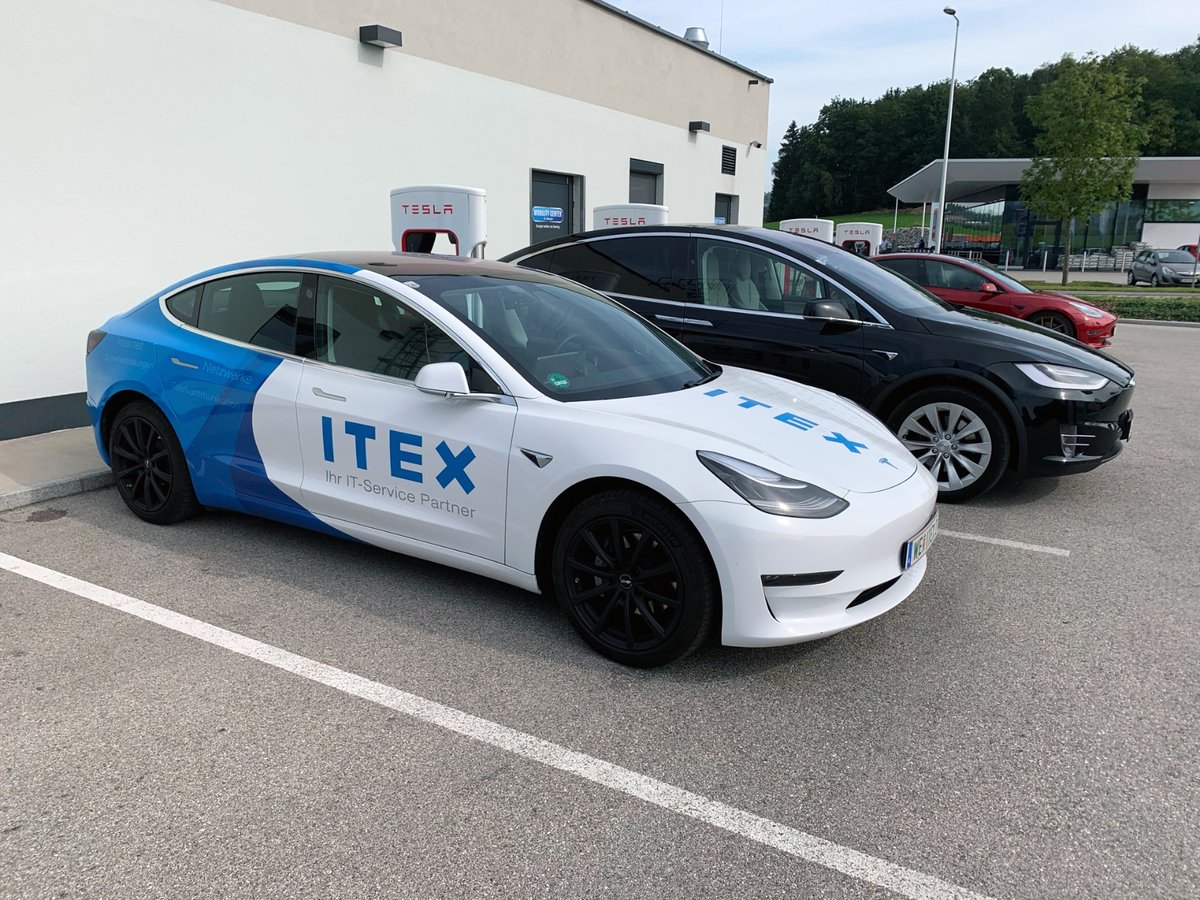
(175, 360)
(681, 321)
(327, 396)
(887, 354)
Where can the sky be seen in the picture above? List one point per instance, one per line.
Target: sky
(817, 50)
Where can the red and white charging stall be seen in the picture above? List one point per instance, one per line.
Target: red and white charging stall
(425, 216)
(862, 238)
(821, 229)
(617, 215)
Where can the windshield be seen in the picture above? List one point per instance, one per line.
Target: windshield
(570, 343)
(1007, 282)
(1174, 256)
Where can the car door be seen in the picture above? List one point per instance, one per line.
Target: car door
(230, 375)
(379, 452)
(641, 271)
(962, 286)
(755, 308)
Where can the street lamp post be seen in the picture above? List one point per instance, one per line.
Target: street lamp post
(937, 241)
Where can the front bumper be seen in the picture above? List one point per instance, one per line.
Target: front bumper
(1073, 431)
(862, 545)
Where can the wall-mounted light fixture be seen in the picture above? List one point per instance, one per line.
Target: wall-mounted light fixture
(379, 36)
(698, 126)
(756, 145)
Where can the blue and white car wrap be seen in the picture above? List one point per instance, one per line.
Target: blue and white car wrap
(458, 482)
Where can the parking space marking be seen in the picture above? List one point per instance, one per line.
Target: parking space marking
(1016, 545)
(800, 844)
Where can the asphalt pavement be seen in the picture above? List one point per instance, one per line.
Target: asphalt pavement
(1027, 724)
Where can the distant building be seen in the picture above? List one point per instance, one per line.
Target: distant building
(985, 215)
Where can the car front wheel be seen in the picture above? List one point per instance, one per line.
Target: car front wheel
(149, 466)
(1055, 322)
(958, 436)
(1154, 281)
(633, 578)
(1131, 278)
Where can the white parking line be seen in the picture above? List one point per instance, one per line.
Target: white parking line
(905, 882)
(1016, 545)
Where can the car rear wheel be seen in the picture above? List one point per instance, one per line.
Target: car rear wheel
(958, 436)
(149, 466)
(633, 578)
(1055, 322)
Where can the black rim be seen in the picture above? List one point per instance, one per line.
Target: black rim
(623, 584)
(141, 464)
(1054, 323)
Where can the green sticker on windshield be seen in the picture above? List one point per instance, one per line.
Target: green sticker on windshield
(554, 379)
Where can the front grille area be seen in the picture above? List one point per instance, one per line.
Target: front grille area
(1075, 442)
(871, 593)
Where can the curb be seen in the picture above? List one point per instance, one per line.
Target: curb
(78, 484)
(1159, 322)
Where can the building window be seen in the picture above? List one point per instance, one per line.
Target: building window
(726, 211)
(645, 181)
(729, 160)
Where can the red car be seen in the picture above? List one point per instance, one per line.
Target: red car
(980, 286)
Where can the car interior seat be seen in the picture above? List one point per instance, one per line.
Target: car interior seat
(713, 292)
(741, 289)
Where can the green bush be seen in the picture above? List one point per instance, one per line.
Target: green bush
(1168, 309)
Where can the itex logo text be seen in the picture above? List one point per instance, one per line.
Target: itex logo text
(794, 420)
(405, 459)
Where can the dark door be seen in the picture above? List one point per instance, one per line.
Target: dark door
(552, 211)
(723, 212)
(752, 308)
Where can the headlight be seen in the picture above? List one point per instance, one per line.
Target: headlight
(1089, 311)
(1167, 270)
(1063, 378)
(771, 492)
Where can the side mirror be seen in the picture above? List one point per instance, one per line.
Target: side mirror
(988, 288)
(445, 378)
(827, 309)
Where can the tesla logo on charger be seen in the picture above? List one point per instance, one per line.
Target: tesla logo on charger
(427, 209)
(795, 420)
(624, 220)
(405, 459)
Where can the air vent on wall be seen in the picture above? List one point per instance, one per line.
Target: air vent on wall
(729, 160)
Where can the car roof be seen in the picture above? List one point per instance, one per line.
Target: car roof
(754, 233)
(390, 263)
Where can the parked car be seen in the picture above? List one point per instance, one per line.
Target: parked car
(518, 426)
(971, 393)
(1193, 249)
(980, 286)
(1164, 267)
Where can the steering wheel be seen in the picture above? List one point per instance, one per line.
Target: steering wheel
(562, 345)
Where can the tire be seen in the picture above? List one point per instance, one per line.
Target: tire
(966, 461)
(149, 466)
(1055, 322)
(633, 578)
(1154, 280)
(1130, 277)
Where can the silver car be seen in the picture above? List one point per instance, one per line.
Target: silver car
(1164, 267)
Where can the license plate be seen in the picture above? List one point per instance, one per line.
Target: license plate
(918, 545)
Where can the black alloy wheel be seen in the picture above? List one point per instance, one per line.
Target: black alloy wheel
(632, 578)
(1055, 322)
(149, 466)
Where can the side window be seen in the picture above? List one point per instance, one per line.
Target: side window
(257, 309)
(909, 268)
(360, 328)
(638, 266)
(742, 277)
(951, 277)
(183, 305)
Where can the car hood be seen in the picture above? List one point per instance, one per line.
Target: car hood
(793, 429)
(1023, 341)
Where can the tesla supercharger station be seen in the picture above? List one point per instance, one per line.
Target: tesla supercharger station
(862, 238)
(422, 212)
(821, 229)
(619, 214)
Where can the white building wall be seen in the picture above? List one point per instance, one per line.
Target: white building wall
(1169, 235)
(151, 139)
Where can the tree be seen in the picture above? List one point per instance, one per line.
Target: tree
(786, 171)
(1087, 148)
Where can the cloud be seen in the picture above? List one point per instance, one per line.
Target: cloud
(817, 51)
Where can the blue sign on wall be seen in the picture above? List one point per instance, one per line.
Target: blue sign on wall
(718, 220)
(551, 214)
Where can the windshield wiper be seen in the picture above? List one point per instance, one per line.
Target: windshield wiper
(705, 380)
